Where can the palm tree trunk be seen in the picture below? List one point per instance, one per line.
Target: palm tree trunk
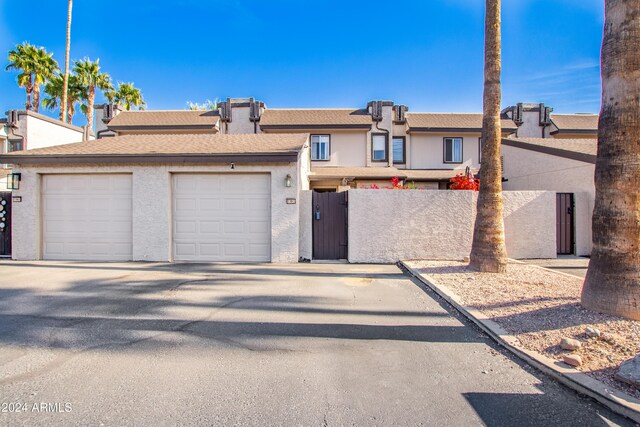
(91, 97)
(29, 89)
(612, 284)
(65, 84)
(488, 251)
(36, 96)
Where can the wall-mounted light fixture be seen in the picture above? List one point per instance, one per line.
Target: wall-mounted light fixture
(287, 180)
(233, 165)
(13, 181)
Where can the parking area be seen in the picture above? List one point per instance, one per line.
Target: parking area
(302, 344)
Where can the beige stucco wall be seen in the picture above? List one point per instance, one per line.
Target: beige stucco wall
(427, 151)
(529, 224)
(41, 133)
(306, 225)
(347, 149)
(240, 122)
(388, 226)
(530, 170)
(152, 207)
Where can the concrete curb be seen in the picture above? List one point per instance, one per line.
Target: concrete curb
(615, 400)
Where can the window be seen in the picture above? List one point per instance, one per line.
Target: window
(15, 145)
(480, 150)
(399, 149)
(320, 147)
(379, 147)
(453, 150)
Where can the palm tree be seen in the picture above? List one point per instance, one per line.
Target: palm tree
(612, 284)
(488, 251)
(53, 89)
(65, 84)
(44, 68)
(127, 96)
(19, 59)
(89, 77)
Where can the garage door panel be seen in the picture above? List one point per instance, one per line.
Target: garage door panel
(222, 217)
(87, 217)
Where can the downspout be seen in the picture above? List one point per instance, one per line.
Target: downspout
(389, 161)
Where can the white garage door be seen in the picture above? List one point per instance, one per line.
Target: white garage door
(222, 217)
(87, 217)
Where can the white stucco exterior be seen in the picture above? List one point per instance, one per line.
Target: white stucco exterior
(152, 200)
(41, 131)
(306, 225)
(427, 151)
(531, 170)
(388, 226)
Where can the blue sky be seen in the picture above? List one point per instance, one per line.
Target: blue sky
(427, 54)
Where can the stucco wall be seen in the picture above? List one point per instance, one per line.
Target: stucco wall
(240, 122)
(306, 225)
(530, 170)
(387, 226)
(42, 133)
(347, 149)
(152, 208)
(529, 224)
(427, 151)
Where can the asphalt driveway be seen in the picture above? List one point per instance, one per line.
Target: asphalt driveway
(307, 344)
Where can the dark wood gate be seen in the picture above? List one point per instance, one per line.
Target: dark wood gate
(329, 212)
(564, 223)
(5, 223)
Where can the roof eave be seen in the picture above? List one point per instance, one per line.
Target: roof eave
(578, 131)
(280, 157)
(317, 126)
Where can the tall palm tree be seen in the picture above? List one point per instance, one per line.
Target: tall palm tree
(488, 251)
(21, 59)
(89, 77)
(65, 84)
(612, 284)
(75, 94)
(127, 96)
(44, 68)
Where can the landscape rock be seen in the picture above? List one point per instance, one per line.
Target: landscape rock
(610, 338)
(629, 372)
(592, 332)
(572, 359)
(570, 344)
(466, 259)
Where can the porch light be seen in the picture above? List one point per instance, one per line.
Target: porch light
(287, 180)
(13, 181)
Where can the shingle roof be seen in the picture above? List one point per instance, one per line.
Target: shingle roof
(451, 121)
(577, 149)
(314, 118)
(165, 119)
(575, 122)
(168, 146)
(333, 172)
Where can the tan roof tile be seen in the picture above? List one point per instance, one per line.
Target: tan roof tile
(575, 122)
(357, 118)
(165, 145)
(165, 118)
(454, 121)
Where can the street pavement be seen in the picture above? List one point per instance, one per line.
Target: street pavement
(244, 344)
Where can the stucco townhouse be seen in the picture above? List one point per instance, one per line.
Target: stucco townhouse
(223, 185)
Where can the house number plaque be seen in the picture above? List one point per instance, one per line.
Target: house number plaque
(291, 201)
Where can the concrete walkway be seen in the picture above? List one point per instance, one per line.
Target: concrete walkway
(576, 266)
(306, 344)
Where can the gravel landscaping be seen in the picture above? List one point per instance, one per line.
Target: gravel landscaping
(540, 308)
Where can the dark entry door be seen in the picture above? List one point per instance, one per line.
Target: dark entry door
(5, 223)
(329, 212)
(564, 223)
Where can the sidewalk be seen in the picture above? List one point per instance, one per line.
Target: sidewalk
(569, 264)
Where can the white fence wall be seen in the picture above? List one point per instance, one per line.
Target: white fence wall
(388, 226)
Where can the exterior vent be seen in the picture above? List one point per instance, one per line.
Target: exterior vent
(399, 113)
(545, 115)
(254, 110)
(108, 113)
(225, 110)
(518, 114)
(376, 110)
(12, 118)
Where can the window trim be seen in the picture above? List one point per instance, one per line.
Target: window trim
(444, 149)
(328, 159)
(386, 147)
(404, 150)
